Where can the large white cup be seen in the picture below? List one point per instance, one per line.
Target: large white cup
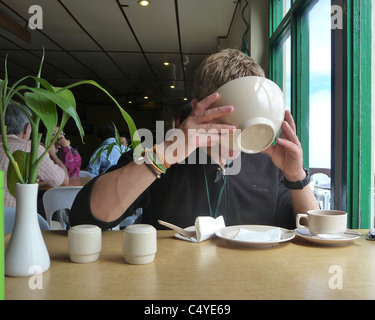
(259, 110)
(139, 243)
(323, 221)
(84, 243)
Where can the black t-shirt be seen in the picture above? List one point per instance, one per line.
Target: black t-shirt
(256, 195)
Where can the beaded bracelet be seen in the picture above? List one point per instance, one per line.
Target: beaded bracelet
(157, 175)
(152, 162)
(153, 159)
(166, 164)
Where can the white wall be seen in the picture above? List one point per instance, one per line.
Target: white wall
(257, 15)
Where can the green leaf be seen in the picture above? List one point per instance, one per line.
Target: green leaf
(68, 96)
(97, 154)
(41, 64)
(136, 141)
(117, 136)
(110, 148)
(45, 109)
(44, 83)
(22, 160)
(64, 99)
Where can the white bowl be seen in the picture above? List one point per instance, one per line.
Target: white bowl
(259, 110)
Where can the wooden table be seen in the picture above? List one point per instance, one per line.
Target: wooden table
(78, 181)
(73, 182)
(211, 270)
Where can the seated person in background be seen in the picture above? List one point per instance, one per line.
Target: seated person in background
(68, 155)
(125, 140)
(100, 161)
(257, 194)
(51, 170)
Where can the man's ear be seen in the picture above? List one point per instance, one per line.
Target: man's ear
(26, 131)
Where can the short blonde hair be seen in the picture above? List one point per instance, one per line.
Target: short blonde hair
(219, 68)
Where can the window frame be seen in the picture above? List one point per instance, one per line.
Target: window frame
(351, 188)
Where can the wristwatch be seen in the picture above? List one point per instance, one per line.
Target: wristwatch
(300, 184)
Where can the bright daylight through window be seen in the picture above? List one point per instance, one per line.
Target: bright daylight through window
(320, 85)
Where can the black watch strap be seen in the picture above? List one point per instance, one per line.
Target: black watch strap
(300, 184)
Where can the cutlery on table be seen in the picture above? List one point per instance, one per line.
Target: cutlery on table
(183, 232)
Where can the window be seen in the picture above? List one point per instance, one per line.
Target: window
(320, 86)
(282, 71)
(329, 92)
(287, 73)
(287, 5)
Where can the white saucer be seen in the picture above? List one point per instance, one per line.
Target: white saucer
(342, 238)
(229, 234)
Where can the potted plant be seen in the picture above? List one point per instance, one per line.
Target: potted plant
(26, 253)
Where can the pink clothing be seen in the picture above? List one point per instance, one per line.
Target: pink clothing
(48, 171)
(72, 160)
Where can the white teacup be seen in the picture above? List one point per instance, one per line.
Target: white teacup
(139, 243)
(323, 221)
(259, 110)
(85, 243)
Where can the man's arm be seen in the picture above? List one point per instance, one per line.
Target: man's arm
(57, 161)
(115, 191)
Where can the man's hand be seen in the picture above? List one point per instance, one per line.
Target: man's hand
(200, 128)
(62, 141)
(287, 153)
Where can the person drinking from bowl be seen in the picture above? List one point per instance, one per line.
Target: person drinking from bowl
(269, 189)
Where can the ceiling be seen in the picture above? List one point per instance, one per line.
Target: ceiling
(119, 44)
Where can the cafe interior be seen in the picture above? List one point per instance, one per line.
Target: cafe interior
(145, 53)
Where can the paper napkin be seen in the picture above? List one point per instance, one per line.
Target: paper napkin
(259, 236)
(331, 236)
(205, 228)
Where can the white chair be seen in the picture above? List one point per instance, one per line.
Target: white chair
(84, 173)
(321, 186)
(57, 199)
(10, 216)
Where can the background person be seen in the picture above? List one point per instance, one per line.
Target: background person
(68, 154)
(101, 160)
(125, 141)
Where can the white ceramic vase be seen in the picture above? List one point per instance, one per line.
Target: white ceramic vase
(26, 254)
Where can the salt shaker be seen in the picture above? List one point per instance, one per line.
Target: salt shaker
(85, 243)
(139, 244)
